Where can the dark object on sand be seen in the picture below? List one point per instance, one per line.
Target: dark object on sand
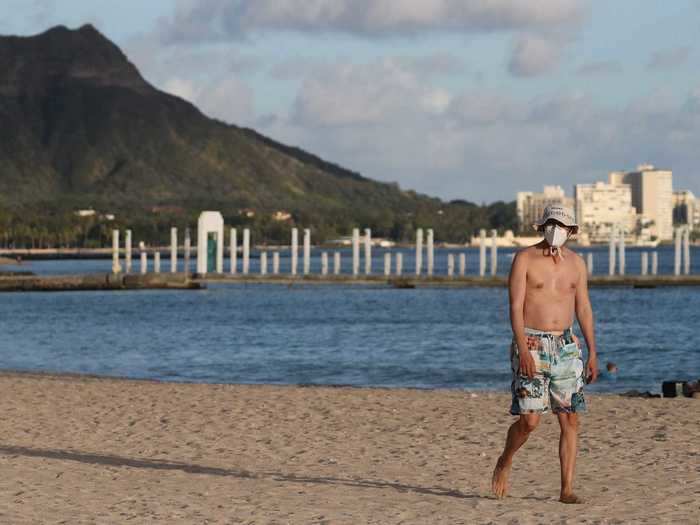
(637, 393)
(679, 388)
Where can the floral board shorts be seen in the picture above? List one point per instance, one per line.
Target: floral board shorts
(558, 381)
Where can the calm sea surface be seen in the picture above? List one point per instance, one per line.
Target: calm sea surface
(453, 338)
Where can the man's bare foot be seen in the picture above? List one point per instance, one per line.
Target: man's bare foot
(571, 499)
(499, 482)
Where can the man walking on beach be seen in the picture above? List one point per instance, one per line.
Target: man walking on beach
(547, 287)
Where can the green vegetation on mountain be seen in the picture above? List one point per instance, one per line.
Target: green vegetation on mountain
(82, 129)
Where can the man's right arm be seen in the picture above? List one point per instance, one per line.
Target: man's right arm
(517, 284)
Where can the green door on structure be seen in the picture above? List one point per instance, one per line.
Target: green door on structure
(211, 252)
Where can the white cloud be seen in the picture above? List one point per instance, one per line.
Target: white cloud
(667, 59)
(206, 20)
(603, 67)
(534, 55)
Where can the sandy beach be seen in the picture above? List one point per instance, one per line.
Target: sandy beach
(88, 450)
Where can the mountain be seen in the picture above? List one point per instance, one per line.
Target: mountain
(82, 128)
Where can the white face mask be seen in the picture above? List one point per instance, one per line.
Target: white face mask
(555, 235)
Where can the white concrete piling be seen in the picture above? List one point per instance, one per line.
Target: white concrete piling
(482, 253)
(589, 262)
(144, 258)
(430, 251)
(355, 251)
(295, 251)
(307, 251)
(233, 251)
(368, 251)
(263, 263)
(246, 251)
(336, 263)
(399, 264)
(276, 263)
(387, 264)
(677, 254)
(127, 251)
(462, 264)
(686, 251)
(494, 252)
(654, 263)
(419, 251)
(173, 250)
(611, 251)
(450, 264)
(116, 267)
(156, 262)
(644, 263)
(324, 263)
(623, 255)
(188, 249)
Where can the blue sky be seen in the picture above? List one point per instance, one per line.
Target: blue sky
(473, 100)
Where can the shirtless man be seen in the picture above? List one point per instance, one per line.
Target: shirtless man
(547, 286)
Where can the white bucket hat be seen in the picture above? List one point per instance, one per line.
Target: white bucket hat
(558, 213)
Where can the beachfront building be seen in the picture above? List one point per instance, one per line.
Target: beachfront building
(686, 209)
(602, 207)
(652, 196)
(530, 205)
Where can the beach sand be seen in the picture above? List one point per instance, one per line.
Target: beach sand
(88, 450)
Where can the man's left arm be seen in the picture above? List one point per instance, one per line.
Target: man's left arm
(584, 314)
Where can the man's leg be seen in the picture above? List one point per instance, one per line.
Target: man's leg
(517, 436)
(567, 455)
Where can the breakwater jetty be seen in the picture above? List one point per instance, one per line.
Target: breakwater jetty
(35, 283)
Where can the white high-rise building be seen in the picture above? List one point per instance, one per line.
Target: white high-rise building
(530, 205)
(652, 196)
(600, 207)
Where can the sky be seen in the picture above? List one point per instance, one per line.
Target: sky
(460, 99)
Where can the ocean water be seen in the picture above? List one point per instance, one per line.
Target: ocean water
(352, 335)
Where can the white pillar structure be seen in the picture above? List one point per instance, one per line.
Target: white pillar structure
(387, 264)
(654, 263)
(677, 254)
(188, 249)
(210, 242)
(589, 262)
(233, 251)
(324, 263)
(144, 258)
(127, 251)
(307, 251)
(482, 253)
(295, 251)
(623, 258)
(399, 264)
(450, 264)
(462, 264)
(494, 252)
(173, 250)
(116, 267)
(644, 263)
(276, 263)
(368, 251)
(611, 251)
(686, 249)
(336, 263)
(355, 251)
(430, 251)
(156, 262)
(263, 263)
(419, 251)
(246, 251)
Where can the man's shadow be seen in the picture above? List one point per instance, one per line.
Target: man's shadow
(189, 468)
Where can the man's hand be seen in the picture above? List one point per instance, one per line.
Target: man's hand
(592, 368)
(527, 364)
